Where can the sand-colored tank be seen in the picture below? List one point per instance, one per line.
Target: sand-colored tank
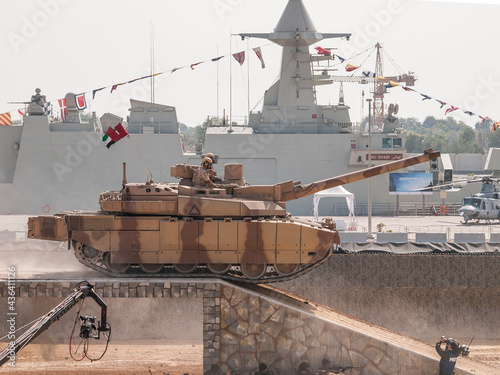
(235, 231)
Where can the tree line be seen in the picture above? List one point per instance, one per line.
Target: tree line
(446, 135)
(449, 136)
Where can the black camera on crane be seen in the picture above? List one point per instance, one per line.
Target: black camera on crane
(88, 328)
(456, 348)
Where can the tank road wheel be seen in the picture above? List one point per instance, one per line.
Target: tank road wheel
(253, 271)
(218, 268)
(185, 268)
(86, 253)
(286, 269)
(151, 267)
(116, 267)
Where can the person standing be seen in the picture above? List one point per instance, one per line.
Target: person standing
(448, 356)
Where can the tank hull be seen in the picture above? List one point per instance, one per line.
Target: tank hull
(248, 249)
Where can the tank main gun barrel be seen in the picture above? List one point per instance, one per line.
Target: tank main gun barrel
(314, 187)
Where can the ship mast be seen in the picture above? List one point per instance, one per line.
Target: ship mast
(152, 59)
(378, 92)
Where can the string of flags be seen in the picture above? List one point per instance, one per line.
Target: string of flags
(350, 67)
(80, 99)
(81, 103)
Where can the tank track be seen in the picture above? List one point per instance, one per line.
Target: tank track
(203, 273)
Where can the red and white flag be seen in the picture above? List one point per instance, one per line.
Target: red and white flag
(483, 119)
(258, 52)
(451, 109)
(80, 101)
(64, 109)
(240, 57)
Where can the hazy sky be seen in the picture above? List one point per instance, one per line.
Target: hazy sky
(75, 46)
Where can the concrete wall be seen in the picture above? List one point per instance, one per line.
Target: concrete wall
(424, 296)
(138, 311)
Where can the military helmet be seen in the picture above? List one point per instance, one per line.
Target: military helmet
(207, 162)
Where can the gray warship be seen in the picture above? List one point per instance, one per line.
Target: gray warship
(46, 167)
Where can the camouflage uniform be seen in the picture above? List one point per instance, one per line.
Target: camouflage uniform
(201, 176)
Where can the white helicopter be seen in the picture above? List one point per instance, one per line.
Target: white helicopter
(484, 205)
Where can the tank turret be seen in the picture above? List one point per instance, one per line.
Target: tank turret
(234, 231)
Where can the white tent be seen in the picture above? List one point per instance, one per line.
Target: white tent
(336, 192)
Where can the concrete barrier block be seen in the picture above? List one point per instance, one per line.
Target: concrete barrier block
(430, 237)
(469, 237)
(495, 237)
(392, 237)
(353, 236)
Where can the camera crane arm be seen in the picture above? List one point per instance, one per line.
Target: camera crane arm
(44, 322)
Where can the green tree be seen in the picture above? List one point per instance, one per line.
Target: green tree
(493, 138)
(414, 142)
(438, 142)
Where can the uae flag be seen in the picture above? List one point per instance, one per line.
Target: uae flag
(113, 135)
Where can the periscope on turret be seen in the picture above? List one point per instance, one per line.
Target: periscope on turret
(236, 231)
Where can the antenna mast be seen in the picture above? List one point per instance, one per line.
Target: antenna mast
(378, 92)
(152, 59)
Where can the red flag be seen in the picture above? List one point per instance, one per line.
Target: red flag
(121, 131)
(193, 65)
(64, 110)
(240, 57)
(496, 125)
(322, 51)
(5, 119)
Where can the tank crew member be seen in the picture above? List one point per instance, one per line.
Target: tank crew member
(262, 369)
(204, 175)
(448, 356)
(214, 161)
(304, 369)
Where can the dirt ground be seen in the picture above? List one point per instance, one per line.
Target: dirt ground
(121, 359)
